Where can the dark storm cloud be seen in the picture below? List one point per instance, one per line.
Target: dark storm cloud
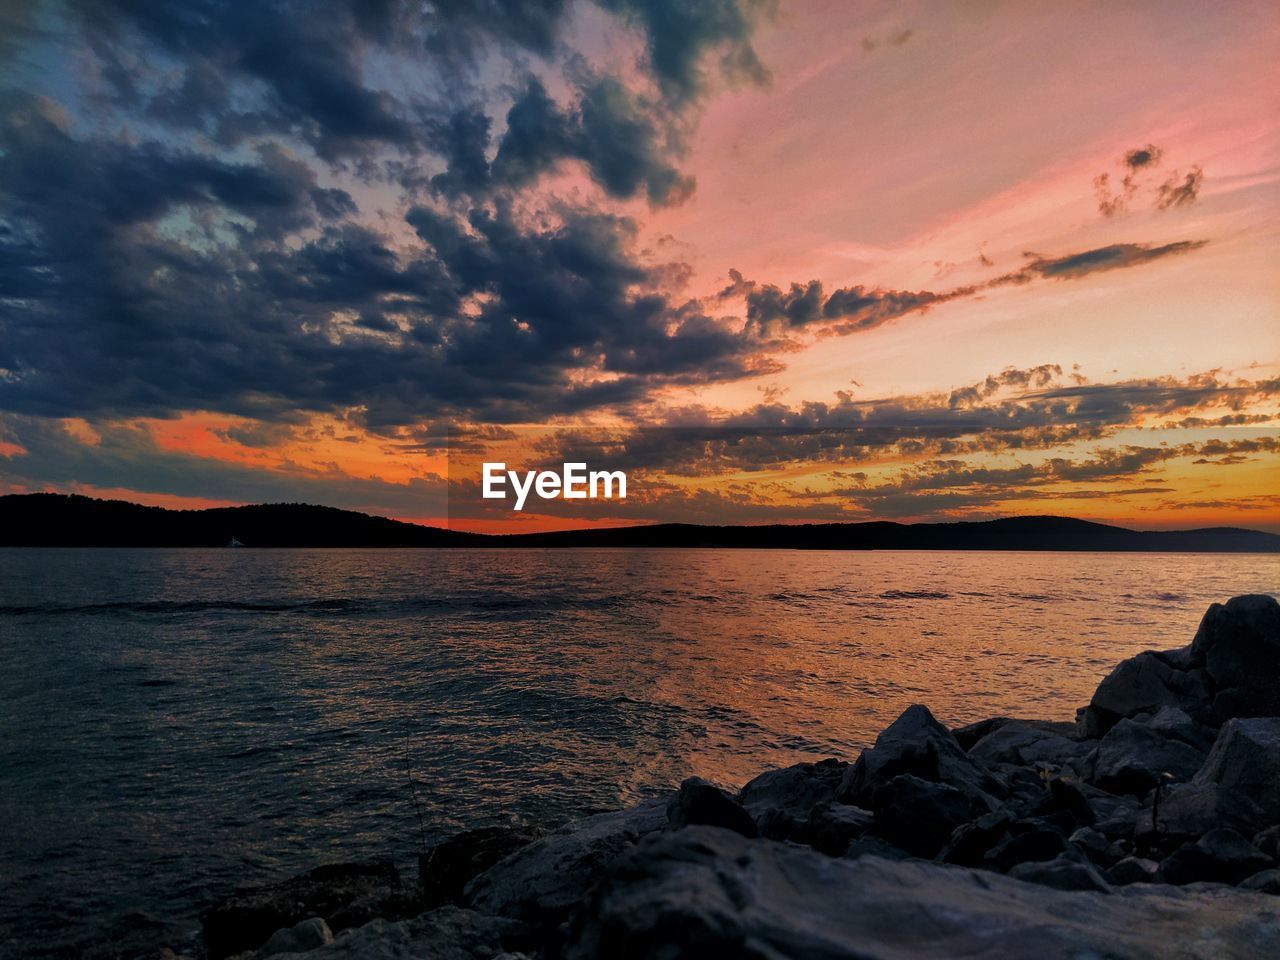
(618, 138)
(109, 314)
(678, 34)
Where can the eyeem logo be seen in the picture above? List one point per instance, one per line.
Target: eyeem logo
(572, 483)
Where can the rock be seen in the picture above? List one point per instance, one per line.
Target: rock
(1267, 881)
(1190, 810)
(1171, 722)
(1246, 760)
(539, 883)
(969, 844)
(445, 869)
(704, 892)
(447, 933)
(1239, 643)
(1028, 742)
(1132, 757)
(310, 934)
(1268, 841)
(833, 826)
(1026, 841)
(1132, 870)
(1144, 684)
(1220, 856)
(1061, 873)
(869, 846)
(703, 804)
(971, 733)
(1099, 848)
(918, 745)
(246, 919)
(918, 815)
(781, 801)
(1069, 799)
(1114, 816)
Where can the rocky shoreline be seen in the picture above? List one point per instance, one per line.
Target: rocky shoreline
(1149, 827)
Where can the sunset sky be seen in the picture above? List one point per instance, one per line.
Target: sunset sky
(798, 261)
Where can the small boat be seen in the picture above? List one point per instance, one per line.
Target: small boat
(233, 542)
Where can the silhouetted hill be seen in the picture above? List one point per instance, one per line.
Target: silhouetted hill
(50, 519)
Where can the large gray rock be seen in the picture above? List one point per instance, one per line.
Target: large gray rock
(447, 933)
(1144, 684)
(712, 893)
(541, 882)
(1220, 856)
(917, 745)
(1187, 811)
(1028, 742)
(1239, 643)
(344, 894)
(1132, 758)
(698, 802)
(919, 815)
(310, 934)
(782, 801)
(1246, 759)
(1062, 873)
(446, 867)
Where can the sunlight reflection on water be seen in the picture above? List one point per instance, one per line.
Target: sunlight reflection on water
(181, 721)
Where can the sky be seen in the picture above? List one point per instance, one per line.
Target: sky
(794, 261)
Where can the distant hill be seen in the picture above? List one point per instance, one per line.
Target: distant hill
(51, 519)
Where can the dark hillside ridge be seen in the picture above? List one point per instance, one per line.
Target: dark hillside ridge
(58, 520)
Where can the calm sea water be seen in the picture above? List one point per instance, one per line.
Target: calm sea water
(177, 722)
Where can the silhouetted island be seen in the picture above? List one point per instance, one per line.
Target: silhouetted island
(51, 519)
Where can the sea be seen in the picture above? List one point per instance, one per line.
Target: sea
(178, 723)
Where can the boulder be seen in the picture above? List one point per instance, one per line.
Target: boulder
(539, 883)
(446, 933)
(310, 934)
(1132, 870)
(700, 803)
(782, 801)
(1267, 881)
(1176, 724)
(1220, 856)
(246, 919)
(704, 892)
(969, 844)
(1098, 847)
(1026, 841)
(918, 815)
(1133, 757)
(1239, 643)
(1028, 742)
(1246, 760)
(446, 867)
(1190, 810)
(971, 733)
(1144, 684)
(833, 826)
(917, 745)
(1268, 841)
(1061, 873)
(871, 846)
